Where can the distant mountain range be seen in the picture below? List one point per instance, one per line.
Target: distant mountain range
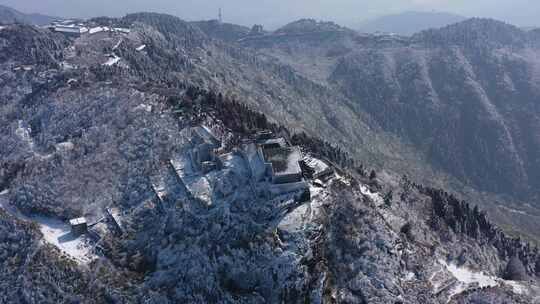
(409, 23)
(10, 15)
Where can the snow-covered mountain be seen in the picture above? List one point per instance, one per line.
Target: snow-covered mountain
(200, 172)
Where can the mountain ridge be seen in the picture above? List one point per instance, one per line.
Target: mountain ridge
(10, 15)
(473, 54)
(409, 23)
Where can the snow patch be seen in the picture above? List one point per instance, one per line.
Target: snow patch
(375, 197)
(295, 220)
(58, 234)
(112, 60)
(300, 218)
(467, 276)
(409, 276)
(144, 107)
(465, 279)
(200, 188)
(517, 287)
(117, 44)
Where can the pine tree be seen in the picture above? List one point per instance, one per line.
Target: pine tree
(388, 198)
(515, 271)
(373, 175)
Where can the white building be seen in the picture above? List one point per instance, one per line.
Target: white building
(78, 226)
(72, 30)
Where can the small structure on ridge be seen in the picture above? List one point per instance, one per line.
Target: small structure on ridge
(79, 226)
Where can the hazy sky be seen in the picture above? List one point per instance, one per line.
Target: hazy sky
(273, 13)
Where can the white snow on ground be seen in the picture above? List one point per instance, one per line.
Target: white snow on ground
(297, 220)
(199, 188)
(517, 287)
(56, 233)
(462, 279)
(467, 277)
(375, 197)
(409, 276)
(117, 44)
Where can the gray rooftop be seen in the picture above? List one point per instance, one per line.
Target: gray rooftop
(284, 160)
(206, 135)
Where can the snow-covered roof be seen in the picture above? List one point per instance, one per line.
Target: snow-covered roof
(122, 30)
(316, 164)
(284, 161)
(274, 141)
(98, 29)
(77, 221)
(206, 135)
(70, 29)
